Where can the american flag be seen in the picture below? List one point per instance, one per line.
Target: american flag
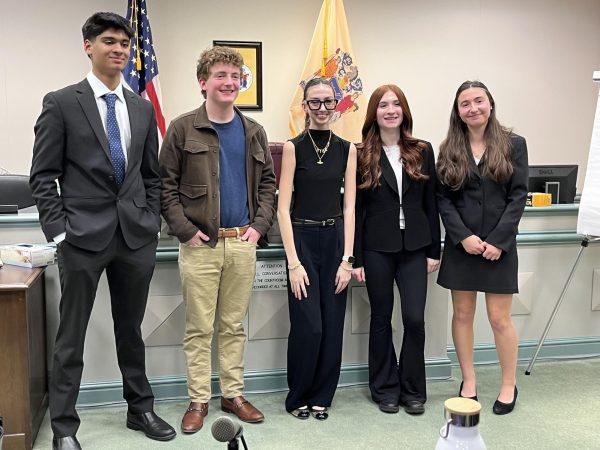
(141, 73)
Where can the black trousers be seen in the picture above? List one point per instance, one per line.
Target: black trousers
(129, 273)
(391, 378)
(314, 356)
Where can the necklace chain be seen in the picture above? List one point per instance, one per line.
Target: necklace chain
(320, 151)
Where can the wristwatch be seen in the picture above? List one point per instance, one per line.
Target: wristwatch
(349, 259)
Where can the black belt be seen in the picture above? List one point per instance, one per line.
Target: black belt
(316, 223)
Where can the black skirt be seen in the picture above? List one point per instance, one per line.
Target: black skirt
(462, 271)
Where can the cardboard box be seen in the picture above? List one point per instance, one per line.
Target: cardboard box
(27, 255)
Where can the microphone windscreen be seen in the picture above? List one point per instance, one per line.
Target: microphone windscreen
(225, 429)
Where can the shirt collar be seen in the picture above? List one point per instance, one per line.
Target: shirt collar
(100, 88)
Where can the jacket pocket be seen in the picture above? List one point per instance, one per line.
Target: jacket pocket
(193, 191)
(195, 147)
(140, 202)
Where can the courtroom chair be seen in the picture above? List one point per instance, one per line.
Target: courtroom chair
(15, 191)
(276, 149)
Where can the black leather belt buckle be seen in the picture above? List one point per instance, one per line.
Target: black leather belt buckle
(329, 222)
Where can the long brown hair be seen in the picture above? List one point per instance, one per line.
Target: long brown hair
(369, 150)
(453, 160)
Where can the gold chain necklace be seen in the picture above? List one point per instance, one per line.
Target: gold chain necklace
(320, 151)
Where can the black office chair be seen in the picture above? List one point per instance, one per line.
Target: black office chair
(15, 193)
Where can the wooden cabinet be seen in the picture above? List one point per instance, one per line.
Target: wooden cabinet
(23, 365)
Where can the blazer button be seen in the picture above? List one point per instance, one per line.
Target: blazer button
(214, 217)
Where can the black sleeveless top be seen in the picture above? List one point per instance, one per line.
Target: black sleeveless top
(317, 186)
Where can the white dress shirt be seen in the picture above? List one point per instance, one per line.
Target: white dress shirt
(393, 154)
(121, 112)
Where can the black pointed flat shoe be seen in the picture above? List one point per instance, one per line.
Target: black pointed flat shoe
(501, 408)
(301, 413)
(460, 392)
(319, 414)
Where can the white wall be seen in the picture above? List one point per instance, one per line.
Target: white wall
(536, 56)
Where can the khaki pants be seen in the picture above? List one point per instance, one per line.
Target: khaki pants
(216, 277)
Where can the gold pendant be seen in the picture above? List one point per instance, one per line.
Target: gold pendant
(319, 162)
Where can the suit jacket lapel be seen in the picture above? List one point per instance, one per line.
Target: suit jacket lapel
(472, 163)
(133, 109)
(86, 99)
(388, 173)
(405, 181)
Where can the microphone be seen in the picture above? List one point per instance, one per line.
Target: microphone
(226, 429)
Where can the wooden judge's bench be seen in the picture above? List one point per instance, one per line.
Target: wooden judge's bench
(23, 367)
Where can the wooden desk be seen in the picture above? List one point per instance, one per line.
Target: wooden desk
(23, 367)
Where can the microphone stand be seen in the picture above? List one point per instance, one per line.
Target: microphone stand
(235, 445)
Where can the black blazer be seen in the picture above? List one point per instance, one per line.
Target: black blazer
(378, 211)
(485, 208)
(71, 146)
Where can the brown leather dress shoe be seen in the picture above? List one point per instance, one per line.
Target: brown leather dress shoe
(193, 419)
(242, 408)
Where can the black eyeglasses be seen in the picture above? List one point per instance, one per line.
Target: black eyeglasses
(315, 105)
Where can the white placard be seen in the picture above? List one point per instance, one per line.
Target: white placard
(270, 275)
(588, 221)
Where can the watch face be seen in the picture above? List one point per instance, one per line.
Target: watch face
(350, 259)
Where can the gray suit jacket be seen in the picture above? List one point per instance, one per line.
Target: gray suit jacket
(71, 146)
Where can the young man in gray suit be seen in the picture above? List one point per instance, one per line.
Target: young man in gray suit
(100, 142)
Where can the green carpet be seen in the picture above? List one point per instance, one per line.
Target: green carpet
(558, 408)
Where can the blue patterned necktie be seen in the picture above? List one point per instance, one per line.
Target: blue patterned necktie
(114, 139)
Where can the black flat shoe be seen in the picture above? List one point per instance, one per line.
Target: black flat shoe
(414, 407)
(388, 406)
(65, 443)
(152, 426)
(462, 396)
(301, 413)
(319, 414)
(501, 408)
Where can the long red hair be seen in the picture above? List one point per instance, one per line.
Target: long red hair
(369, 150)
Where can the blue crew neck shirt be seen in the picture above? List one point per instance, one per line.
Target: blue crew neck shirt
(232, 173)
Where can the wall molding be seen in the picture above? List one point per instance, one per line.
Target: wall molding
(438, 369)
(260, 381)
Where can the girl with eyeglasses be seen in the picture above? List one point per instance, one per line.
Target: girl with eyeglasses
(317, 230)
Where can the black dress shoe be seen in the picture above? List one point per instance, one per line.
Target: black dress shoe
(414, 407)
(65, 443)
(389, 406)
(152, 426)
(460, 392)
(501, 408)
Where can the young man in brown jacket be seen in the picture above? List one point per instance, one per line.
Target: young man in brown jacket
(218, 197)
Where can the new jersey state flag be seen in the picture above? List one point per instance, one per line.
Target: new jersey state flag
(331, 56)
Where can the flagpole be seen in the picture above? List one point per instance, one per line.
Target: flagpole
(325, 42)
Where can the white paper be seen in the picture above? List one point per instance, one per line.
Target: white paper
(588, 221)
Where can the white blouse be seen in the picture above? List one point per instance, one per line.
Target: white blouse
(393, 154)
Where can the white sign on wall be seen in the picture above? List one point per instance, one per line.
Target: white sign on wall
(588, 221)
(270, 275)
